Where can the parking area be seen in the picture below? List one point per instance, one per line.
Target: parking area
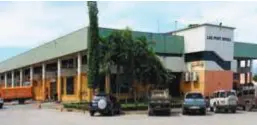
(30, 115)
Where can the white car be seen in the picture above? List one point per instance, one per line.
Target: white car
(1, 103)
(224, 100)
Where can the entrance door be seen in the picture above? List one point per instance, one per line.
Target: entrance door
(53, 91)
(174, 86)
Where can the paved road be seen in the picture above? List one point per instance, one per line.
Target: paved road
(30, 115)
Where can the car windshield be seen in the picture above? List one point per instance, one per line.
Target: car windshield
(226, 94)
(223, 94)
(231, 93)
(194, 96)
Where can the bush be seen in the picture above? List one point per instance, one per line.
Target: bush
(80, 105)
(134, 106)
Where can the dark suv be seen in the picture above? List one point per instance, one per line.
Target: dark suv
(105, 104)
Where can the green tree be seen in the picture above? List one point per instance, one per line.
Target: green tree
(255, 78)
(135, 57)
(93, 42)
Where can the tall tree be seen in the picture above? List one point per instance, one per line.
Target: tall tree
(136, 58)
(93, 45)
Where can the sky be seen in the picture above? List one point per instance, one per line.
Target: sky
(24, 25)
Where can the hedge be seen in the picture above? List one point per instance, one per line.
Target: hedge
(124, 106)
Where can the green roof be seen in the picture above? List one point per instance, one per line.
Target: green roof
(245, 50)
(161, 42)
(77, 41)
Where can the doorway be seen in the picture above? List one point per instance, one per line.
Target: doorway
(53, 91)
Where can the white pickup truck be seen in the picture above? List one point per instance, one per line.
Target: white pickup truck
(224, 100)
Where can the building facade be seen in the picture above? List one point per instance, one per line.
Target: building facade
(203, 57)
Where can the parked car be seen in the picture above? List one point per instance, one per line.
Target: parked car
(159, 102)
(105, 104)
(225, 100)
(194, 102)
(247, 98)
(1, 103)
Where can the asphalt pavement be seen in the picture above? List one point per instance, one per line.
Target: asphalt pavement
(29, 114)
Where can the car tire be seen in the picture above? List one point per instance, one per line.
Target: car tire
(215, 109)
(21, 101)
(226, 110)
(92, 113)
(243, 107)
(168, 112)
(184, 112)
(233, 110)
(150, 113)
(211, 109)
(203, 112)
(248, 107)
(1, 106)
(111, 112)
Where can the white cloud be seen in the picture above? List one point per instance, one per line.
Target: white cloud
(28, 24)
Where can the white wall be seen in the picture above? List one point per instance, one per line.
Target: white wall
(225, 49)
(176, 64)
(234, 65)
(194, 39)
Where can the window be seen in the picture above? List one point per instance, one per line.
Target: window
(229, 93)
(84, 59)
(194, 95)
(239, 94)
(252, 92)
(245, 92)
(69, 85)
(222, 94)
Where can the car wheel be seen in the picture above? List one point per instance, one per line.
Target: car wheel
(243, 107)
(215, 109)
(203, 112)
(111, 112)
(92, 113)
(1, 106)
(150, 113)
(211, 109)
(21, 101)
(168, 112)
(184, 112)
(233, 110)
(226, 110)
(248, 107)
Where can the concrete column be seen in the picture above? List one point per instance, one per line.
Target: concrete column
(246, 72)
(79, 61)
(251, 63)
(5, 80)
(238, 63)
(12, 79)
(21, 77)
(59, 87)
(43, 81)
(31, 75)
